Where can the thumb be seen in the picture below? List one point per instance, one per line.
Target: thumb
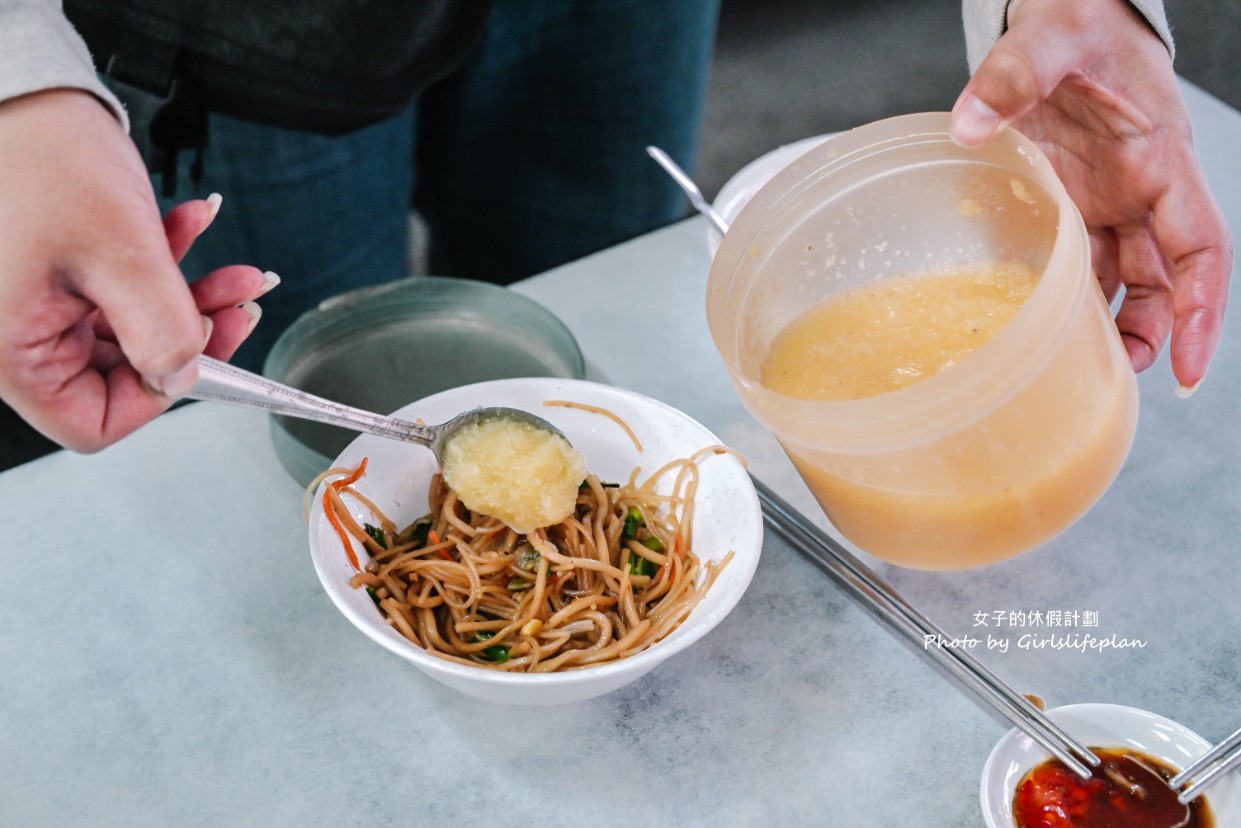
(145, 299)
(1023, 68)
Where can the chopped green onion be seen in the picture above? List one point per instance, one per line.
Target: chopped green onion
(518, 584)
(498, 653)
(633, 520)
(377, 535)
(418, 532)
(653, 543)
(374, 595)
(641, 566)
(527, 557)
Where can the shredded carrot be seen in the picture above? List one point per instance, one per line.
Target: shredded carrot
(340, 530)
(673, 561)
(352, 478)
(336, 486)
(433, 539)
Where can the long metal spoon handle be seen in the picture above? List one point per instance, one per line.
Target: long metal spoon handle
(221, 382)
(690, 189)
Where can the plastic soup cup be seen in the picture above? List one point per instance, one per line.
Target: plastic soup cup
(990, 457)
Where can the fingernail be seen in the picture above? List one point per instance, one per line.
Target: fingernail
(208, 327)
(254, 311)
(177, 384)
(974, 122)
(1184, 392)
(270, 280)
(213, 203)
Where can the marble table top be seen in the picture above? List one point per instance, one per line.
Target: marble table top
(167, 656)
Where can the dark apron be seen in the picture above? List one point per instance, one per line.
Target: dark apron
(324, 66)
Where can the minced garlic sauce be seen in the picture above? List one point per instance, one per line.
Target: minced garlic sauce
(992, 501)
(890, 333)
(514, 471)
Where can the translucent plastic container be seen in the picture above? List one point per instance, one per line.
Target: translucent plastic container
(997, 453)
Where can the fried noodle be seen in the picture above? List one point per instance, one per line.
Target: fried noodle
(612, 579)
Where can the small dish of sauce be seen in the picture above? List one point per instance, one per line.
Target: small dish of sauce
(1128, 790)
(1022, 787)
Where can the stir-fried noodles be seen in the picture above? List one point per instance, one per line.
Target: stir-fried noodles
(613, 578)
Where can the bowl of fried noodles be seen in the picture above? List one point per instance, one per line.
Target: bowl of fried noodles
(663, 540)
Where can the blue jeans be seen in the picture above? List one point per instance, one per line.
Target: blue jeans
(528, 156)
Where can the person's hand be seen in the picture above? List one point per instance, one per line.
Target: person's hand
(99, 332)
(1091, 82)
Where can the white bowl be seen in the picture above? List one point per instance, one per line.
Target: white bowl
(726, 517)
(749, 180)
(1101, 725)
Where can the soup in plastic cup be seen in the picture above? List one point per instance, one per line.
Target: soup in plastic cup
(990, 456)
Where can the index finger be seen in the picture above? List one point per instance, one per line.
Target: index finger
(1193, 237)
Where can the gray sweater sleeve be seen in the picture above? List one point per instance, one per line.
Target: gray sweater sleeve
(40, 50)
(986, 20)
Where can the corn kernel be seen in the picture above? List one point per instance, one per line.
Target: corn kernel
(532, 627)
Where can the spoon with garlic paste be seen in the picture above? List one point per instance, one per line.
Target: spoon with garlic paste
(502, 462)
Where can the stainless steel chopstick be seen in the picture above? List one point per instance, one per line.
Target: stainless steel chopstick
(837, 562)
(1208, 767)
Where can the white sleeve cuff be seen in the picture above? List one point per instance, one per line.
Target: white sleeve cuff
(40, 50)
(986, 20)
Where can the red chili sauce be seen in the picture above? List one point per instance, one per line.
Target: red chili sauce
(1128, 790)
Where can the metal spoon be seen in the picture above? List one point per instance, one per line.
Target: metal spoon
(690, 189)
(221, 382)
